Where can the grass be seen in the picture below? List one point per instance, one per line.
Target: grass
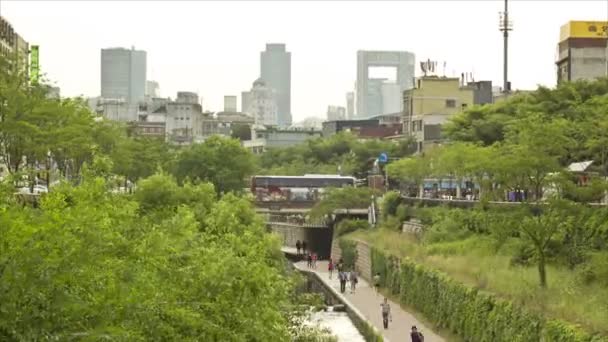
(474, 262)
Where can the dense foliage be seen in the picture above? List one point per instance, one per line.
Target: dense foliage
(91, 264)
(339, 154)
(473, 315)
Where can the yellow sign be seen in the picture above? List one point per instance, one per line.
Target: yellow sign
(34, 64)
(584, 29)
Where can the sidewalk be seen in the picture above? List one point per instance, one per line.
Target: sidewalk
(368, 302)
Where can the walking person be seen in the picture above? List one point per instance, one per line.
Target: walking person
(377, 283)
(416, 335)
(386, 313)
(298, 246)
(304, 247)
(330, 267)
(314, 260)
(342, 276)
(309, 260)
(353, 281)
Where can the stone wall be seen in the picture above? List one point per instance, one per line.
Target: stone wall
(364, 258)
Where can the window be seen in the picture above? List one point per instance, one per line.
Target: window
(188, 118)
(450, 103)
(463, 106)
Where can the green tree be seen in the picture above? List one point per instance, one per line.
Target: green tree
(218, 160)
(342, 198)
(539, 226)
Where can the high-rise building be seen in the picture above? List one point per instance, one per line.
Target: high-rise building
(230, 103)
(335, 113)
(262, 104)
(13, 46)
(582, 51)
(350, 105)
(152, 89)
(275, 70)
(245, 100)
(370, 90)
(123, 74)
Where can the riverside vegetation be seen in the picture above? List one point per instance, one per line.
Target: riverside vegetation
(136, 240)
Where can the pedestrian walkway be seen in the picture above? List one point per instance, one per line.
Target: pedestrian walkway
(366, 301)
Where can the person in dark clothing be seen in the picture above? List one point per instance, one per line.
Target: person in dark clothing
(342, 276)
(309, 260)
(303, 246)
(416, 335)
(386, 312)
(298, 246)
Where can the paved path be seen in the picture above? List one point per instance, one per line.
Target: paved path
(368, 302)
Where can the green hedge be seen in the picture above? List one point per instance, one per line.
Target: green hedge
(349, 252)
(470, 314)
(370, 334)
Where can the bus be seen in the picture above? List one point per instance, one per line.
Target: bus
(303, 188)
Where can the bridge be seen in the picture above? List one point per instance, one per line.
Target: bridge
(290, 220)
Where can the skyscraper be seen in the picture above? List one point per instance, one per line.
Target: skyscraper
(123, 74)
(275, 70)
(371, 91)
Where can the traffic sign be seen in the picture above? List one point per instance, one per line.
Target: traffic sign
(383, 158)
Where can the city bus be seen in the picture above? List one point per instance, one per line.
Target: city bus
(305, 188)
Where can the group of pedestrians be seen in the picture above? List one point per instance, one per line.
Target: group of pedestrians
(300, 246)
(344, 276)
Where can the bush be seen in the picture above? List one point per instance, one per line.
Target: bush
(594, 270)
(473, 315)
(349, 252)
(404, 212)
(348, 226)
(390, 202)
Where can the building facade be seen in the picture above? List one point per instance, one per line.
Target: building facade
(13, 46)
(262, 104)
(152, 89)
(430, 104)
(263, 138)
(123, 74)
(230, 103)
(370, 91)
(336, 113)
(582, 51)
(275, 70)
(350, 105)
(184, 123)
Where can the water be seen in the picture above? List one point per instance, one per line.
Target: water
(338, 323)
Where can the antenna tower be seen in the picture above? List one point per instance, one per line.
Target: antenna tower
(505, 25)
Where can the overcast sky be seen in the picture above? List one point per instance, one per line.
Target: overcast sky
(213, 47)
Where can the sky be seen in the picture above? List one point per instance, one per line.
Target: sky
(213, 48)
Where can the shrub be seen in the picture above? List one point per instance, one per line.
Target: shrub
(473, 315)
(349, 252)
(390, 202)
(404, 212)
(347, 226)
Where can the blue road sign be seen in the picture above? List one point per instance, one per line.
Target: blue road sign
(383, 158)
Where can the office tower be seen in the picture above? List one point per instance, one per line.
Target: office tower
(275, 70)
(582, 51)
(152, 89)
(262, 104)
(350, 105)
(370, 90)
(123, 74)
(230, 103)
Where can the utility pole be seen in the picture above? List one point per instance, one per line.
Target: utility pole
(505, 25)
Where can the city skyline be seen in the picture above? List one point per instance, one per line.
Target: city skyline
(185, 54)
